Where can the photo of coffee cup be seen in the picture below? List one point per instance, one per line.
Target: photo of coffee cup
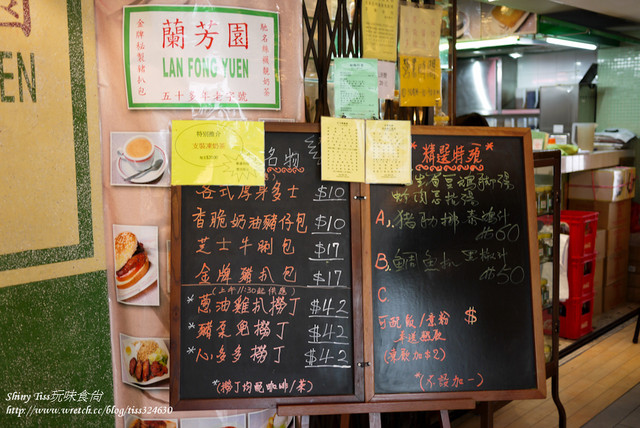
(139, 152)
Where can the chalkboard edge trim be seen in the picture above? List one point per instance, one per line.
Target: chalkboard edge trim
(175, 297)
(386, 407)
(297, 127)
(472, 130)
(534, 262)
(488, 395)
(235, 403)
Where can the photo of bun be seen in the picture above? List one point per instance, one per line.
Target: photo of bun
(135, 264)
(132, 262)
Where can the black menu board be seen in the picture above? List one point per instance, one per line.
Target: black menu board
(451, 271)
(266, 282)
(329, 297)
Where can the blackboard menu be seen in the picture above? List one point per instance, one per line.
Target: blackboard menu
(305, 292)
(451, 272)
(265, 289)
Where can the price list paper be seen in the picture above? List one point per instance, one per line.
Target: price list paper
(419, 30)
(380, 29)
(388, 151)
(266, 306)
(342, 149)
(356, 88)
(451, 272)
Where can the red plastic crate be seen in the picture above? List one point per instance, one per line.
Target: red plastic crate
(583, 226)
(581, 275)
(576, 317)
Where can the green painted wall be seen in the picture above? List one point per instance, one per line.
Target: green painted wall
(54, 336)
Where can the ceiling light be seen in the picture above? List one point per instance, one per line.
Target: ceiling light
(478, 44)
(572, 44)
(515, 55)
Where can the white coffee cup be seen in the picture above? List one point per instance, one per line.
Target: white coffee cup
(583, 134)
(139, 152)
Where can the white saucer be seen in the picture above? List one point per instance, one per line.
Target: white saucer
(127, 170)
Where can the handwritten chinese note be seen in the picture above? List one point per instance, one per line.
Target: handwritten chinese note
(186, 57)
(342, 149)
(419, 81)
(266, 282)
(388, 151)
(217, 152)
(420, 30)
(356, 88)
(386, 80)
(380, 29)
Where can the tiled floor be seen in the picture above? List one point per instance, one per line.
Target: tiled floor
(622, 413)
(599, 388)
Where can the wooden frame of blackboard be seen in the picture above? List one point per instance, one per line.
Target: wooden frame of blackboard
(178, 402)
(365, 398)
(539, 390)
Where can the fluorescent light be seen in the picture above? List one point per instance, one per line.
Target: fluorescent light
(515, 55)
(572, 44)
(478, 44)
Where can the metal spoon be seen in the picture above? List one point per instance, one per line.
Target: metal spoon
(157, 164)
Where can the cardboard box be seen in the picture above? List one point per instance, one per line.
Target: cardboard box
(634, 280)
(614, 295)
(618, 240)
(633, 267)
(601, 244)
(605, 184)
(597, 302)
(634, 246)
(598, 286)
(616, 267)
(598, 276)
(611, 214)
(633, 294)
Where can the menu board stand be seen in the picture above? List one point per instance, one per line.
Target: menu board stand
(374, 410)
(362, 298)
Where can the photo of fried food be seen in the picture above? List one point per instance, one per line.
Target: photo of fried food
(149, 362)
(140, 423)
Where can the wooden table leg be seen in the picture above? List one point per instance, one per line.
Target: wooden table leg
(444, 419)
(374, 420)
(486, 414)
(344, 421)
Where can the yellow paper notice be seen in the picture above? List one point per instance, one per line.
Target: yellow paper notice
(419, 81)
(388, 151)
(342, 149)
(224, 153)
(380, 29)
(420, 30)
